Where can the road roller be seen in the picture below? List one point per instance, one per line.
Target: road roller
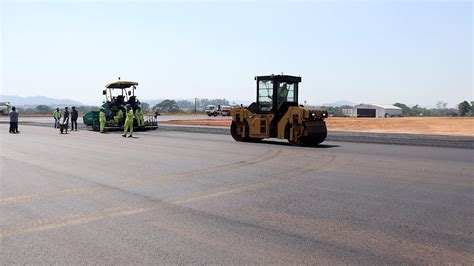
(276, 113)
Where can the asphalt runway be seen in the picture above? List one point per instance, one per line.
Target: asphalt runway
(464, 142)
(167, 197)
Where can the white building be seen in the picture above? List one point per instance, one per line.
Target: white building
(373, 110)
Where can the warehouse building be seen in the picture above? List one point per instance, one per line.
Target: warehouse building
(372, 110)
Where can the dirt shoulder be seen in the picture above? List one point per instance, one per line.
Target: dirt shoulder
(453, 126)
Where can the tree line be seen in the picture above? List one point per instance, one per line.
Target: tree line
(47, 109)
(464, 108)
(165, 106)
(186, 106)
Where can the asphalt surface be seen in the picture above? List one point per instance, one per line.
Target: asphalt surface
(460, 142)
(463, 142)
(176, 197)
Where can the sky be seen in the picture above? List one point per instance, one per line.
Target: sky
(414, 52)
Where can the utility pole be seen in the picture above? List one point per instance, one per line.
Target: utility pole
(195, 105)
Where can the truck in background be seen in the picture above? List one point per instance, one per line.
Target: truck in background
(5, 108)
(212, 110)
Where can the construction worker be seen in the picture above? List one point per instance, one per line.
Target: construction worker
(142, 118)
(74, 115)
(128, 122)
(139, 117)
(102, 119)
(13, 121)
(118, 116)
(66, 117)
(283, 93)
(57, 117)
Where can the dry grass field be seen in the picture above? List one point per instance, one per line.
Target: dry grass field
(456, 126)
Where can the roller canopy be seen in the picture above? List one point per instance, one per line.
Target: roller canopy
(121, 84)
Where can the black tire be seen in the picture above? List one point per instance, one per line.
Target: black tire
(296, 143)
(233, 132)
(95, 126)
(237, 137)
(308, 141)
(315, 139)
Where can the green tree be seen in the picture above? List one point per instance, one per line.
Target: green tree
(204, 102)
(167, 106)
(405, 109)
(43, 109)
(335, 110)
(145, 107)
(419, 111)
(441, 106)
(185, 104)
(464, 108)
(84, 109)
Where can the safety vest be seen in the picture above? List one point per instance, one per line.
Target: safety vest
(102, 116)
(283, 92)
(138, 113)
(57, 114)
(130, 114)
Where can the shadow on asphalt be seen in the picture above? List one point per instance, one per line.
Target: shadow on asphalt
(281, 143)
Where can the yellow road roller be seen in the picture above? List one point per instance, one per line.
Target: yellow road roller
(277, 114)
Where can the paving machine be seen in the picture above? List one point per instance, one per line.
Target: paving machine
(117, 95)
(277, 114)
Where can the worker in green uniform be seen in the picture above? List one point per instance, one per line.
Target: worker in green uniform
(282, 93)
(57, 117)
(139, 116)
(102, 120)
(128, 122)
(118, 116)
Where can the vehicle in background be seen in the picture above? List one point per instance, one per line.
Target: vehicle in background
(5, 108)
(223, 110)
(211, 110)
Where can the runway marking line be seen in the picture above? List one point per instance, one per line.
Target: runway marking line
(43, 195)
(42, 225)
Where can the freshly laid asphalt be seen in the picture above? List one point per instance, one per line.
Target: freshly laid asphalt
(463, 142)
(166, 197)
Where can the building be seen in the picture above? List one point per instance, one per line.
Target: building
(372, 110)
(4, 108)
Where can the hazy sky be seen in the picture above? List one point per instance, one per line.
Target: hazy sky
(374, 52)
